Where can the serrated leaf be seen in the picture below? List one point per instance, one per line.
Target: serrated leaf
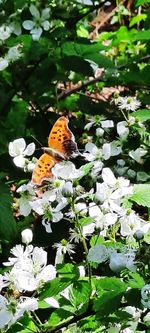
(110, 284)
(142, 115)
(135, 280)
(141, 2)
(108, 302)
(142, 35)
(7, 221)
(79, 294)
(54, 287)
(141, 194)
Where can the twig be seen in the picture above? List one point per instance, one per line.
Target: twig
(66, 93)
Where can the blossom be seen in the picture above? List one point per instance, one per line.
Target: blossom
(5, 32)
(111, 149)
(18, 150)
(66, 171)
(122, 129)
(137, 154)
(145, 296)
(3, 63)
(27, 194)
(29, 269)
(92, 152)
(6, 315)
(40, 22)
(62, 248)
(128, 103)
(27, 236)
(130, 223)
(13, 53)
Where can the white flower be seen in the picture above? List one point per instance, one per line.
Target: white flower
(91, 152)
(5, 314)
(40, 22)
(29, 268)
(13, 54)
(128, 103)
(107, 123)
(122, 130)
(18, 150)
(66, 171)
(62, 248)
(130, 223)
(111, 149)
(99, 131)
(27, 236)
(5, 32)
(27, 193)
(145, 295)
(137, 154)
(108, 177)
(3, 63)
(67, 189)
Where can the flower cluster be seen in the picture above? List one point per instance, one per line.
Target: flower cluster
(28, 272)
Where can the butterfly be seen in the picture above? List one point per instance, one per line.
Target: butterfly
(61, 146)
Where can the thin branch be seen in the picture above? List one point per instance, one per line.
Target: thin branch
(66, 93)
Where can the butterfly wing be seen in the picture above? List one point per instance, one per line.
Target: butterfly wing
(62, 139)
(43, 169)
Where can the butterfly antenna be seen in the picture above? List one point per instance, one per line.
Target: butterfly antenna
(37, 141)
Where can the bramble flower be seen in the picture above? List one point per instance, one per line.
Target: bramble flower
(91, 152)
(66, 171)
(18, 150)
(6, 315)
(29, 269)
(27, 193)
(62, 248)
(111, 149)
(3, 63)
(13, 54)
(145, 296)
(138, 154)
(131, 222)
(40, 22)
(5, 32)
(128, 103)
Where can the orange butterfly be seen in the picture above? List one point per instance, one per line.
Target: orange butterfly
(61, 145)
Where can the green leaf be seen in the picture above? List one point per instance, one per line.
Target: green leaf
(135, 280)
(79, 294)
(108, 302)
(137, 19)
(54, 287)
(86, 168)
(25, 325)
(76, 64)
(58, 317)
(86, 220)
(141, 194)
(68, 271)
(7, 221)
(142, 35)
(110, 284)
(141, 2)
(142, 115)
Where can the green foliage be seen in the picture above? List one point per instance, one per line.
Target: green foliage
(141, 194)
(7, 221)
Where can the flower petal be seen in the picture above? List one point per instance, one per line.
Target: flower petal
(28, 24)
(29, 149)
(19, 161)
(17, 147)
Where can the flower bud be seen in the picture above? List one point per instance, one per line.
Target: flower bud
(138, 235)
(67, 189)
(27, 236)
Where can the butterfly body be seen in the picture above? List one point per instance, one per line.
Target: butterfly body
(61, 146)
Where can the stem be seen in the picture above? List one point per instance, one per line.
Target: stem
(82, 240)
